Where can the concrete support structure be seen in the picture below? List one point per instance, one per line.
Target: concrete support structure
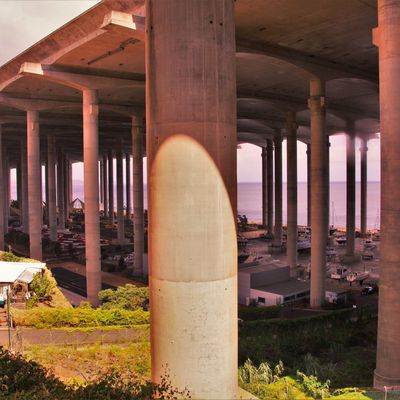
(128, 185)
(51, 177)
(364, 187)
(60, 190)
(350, 193)
(270, 185)
(101, 181)
(137, 175)
(105, 184)
(386, 36)
(308, 184)
(6, 191)
(319, 221)
(264, 186)
(277, 243)
(91, 188)
(191, 120)
(291, 246)
(24, 189)
(120, 198)
(111, 186)
(18, 183)
(327, 184)
(69, 186)
(34, 185)
(2, 226)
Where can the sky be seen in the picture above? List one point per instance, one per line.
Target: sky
(24, 22)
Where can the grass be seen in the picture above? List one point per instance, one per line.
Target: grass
(81, 364)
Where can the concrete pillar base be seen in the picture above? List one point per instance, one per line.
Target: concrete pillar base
(351, 259)
(243, 395)
(380, 382)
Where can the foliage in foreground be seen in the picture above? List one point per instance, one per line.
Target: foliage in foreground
(269, 384)
(128, 297)
(27, 380)
(42, 318)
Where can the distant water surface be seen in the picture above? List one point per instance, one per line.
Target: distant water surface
(249, 202)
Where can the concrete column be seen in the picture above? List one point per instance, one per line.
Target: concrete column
(364, 187)
(105, 185)
(66, 185)
(120, 198)
(34, 186)
(291, 247)
(18, 183)
(46, 190)
(91, 188)
(128, 185)
(137, 175)
(270, 185)
(191, 119)
(60, 190)
(24, 184)
(2, 226)
(101, 181)
(350, 193)
(277, 243)
(308, 184)
(319, 222)
(6, 193)
(111, 186)
(327, 184)
(386, 36)
(264, 206)
(51, 176)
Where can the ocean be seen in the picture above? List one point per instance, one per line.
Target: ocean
(249, 202)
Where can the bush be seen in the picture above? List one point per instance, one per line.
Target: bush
(128, 297)
(78, 317)
(255, 313)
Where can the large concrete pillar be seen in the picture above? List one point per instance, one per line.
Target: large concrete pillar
(386, 36)
(120, 198)
(111, 186)
(24, 184)
(270, 185)
(137, 176)
(364, 187)
(2, 226)
(6, 192)
(105, 185)
(350, 193)
(101, 181)
(191, 149)
(51, 177)
(18, 183)
(128, 185)
(264, 206)
(60, 190)
(308, 184)
(319, 221)
(277, 243)
(291, 246)
(91, 188)
(34, 185)
(327, 184)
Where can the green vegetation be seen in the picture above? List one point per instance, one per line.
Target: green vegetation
(27, 380)
(339, 346)
(78, 317)
(269, 384)
(128, 297)
(256, 313)
(81, 363)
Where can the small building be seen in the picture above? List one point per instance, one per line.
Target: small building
(257, 277)
(12, 273)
